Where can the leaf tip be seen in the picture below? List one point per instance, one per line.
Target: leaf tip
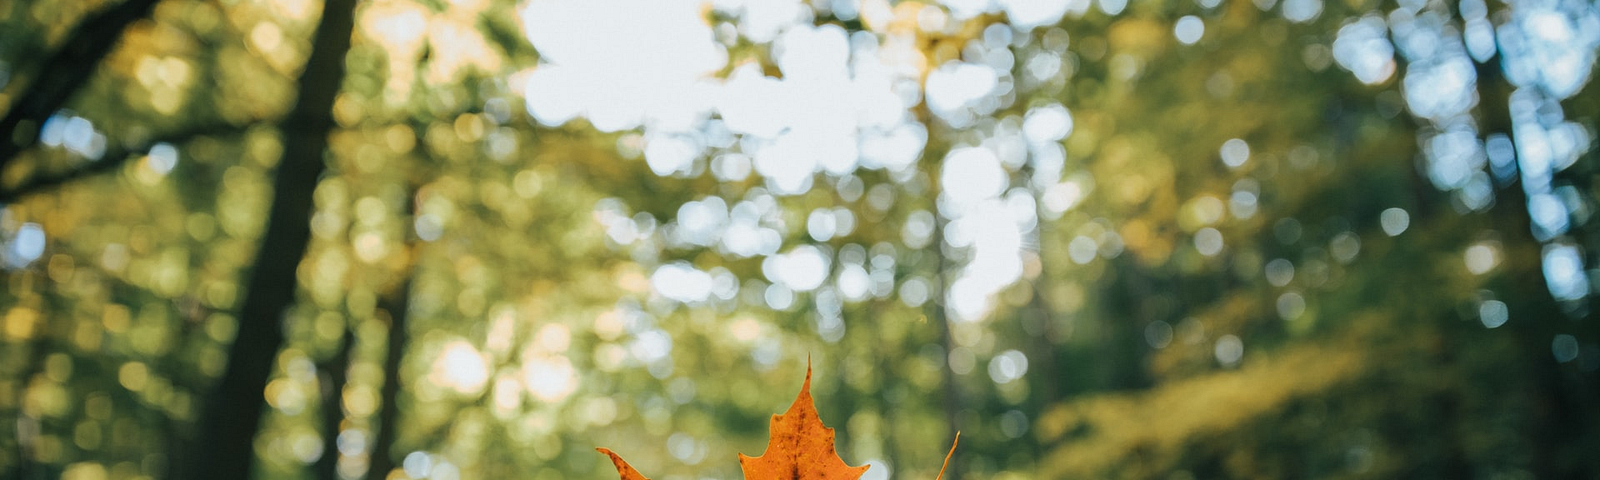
(623, 469)
(806, 389)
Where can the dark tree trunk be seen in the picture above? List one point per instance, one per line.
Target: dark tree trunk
(1123, 351)
(1042, 334)
(397, 306)
(335, 373)
(233, 411)
(64, 72)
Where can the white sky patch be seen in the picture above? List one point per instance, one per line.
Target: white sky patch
(1453, 156)
(1563, 272)
(1234, 152)
(811, 55)
(651, 345)
(591, 53)
(1047, 123)
(802, 269)
(748, 100)
(1030, 14)
(822, 224)
(971, 174)
(1440, 82)
(841, 103)
(1189, 29)
(816, 116)
(761, 21)
(1551, 48)
(460, 367)
(996, 240)
(895, 149)
(700, 222)
(548, 377)
(682, 282)
(668, 154)
(854, 282)
(1363, 48)
(163, 157)
(24, 247)
(1113, 7)
(957, 85)
(1008, 366)
(964, 9)
(1394, 221)
(75, 133)
(787, 164)
(989, 226)
(750, 233)
(1301, 11)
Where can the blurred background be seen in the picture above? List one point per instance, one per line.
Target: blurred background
(462, 239)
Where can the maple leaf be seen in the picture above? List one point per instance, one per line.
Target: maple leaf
(800, 448)
(627, 471)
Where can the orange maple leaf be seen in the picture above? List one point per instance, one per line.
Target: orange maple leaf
(627, 471)
(800, 448)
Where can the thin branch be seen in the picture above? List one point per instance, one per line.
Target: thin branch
(113, 159)
(65, 72)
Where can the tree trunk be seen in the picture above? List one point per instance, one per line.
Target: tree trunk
(397, 306)
(334, 375)
(234, 409)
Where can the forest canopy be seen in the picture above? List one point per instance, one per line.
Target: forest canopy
(461, 239)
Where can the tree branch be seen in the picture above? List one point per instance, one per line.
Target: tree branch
(64, 73)
(113, 159)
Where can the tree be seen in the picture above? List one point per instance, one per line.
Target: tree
(229, 426)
